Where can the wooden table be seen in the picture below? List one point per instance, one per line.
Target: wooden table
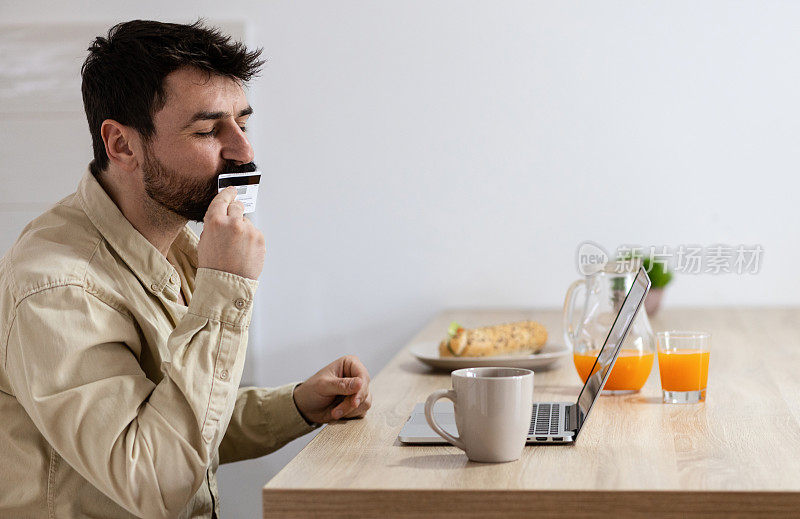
(736, 455)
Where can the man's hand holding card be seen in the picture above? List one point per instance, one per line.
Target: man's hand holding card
(246, 185)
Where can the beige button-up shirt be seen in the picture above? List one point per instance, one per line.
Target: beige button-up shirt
(115, 399)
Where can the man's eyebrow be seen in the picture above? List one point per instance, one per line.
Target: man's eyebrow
(204, 115)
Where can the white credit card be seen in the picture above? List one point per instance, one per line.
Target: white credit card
(246, 185)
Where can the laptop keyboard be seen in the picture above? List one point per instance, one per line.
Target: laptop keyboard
(545, 419)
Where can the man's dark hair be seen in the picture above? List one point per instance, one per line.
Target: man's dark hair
(123, 76)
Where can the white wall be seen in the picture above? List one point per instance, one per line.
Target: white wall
(422, 155)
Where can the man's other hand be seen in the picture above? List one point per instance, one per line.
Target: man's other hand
(339, 390)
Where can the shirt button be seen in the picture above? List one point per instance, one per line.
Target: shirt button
(154, 287)
(223, 375)
(174, 279)
(239, 303)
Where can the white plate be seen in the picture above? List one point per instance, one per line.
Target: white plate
(428, 352)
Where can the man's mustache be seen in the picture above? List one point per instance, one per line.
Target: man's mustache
(232, 167)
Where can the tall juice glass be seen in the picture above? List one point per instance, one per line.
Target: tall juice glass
(683, 362)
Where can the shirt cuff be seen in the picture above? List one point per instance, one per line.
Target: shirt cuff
(297, 423)
(222, 296)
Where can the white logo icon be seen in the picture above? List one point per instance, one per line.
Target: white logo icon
(591, 258)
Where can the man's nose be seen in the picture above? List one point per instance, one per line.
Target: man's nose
(237, 147)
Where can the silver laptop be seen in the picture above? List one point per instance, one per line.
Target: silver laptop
(551, 422)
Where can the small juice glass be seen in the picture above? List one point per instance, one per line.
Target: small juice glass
(683, 363)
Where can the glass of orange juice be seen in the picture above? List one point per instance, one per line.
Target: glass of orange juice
(683, 363)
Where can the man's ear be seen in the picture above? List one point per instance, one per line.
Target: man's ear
(120, 141)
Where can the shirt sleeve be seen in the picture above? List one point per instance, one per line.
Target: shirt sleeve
(263, 421)
(147, 446)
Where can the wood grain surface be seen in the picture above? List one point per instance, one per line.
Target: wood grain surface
(736, 455)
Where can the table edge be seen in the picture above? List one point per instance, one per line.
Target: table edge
(329, 502)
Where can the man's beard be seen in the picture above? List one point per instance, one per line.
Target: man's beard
(187, 197)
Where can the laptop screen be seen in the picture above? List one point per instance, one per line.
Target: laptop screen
(611, 348)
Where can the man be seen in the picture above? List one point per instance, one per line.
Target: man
(123, 335)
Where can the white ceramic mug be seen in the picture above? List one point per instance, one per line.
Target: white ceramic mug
(493, 408)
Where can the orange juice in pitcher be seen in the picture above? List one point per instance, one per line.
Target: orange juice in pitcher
(630, 371)
(586, 329)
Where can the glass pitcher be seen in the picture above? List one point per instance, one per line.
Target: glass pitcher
(586, 330)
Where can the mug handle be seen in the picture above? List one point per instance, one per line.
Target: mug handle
(436, 395)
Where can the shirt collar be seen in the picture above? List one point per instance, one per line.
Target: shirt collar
(141, 256)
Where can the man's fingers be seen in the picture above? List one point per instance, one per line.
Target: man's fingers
(342, 386)
(361, 410)
(219, 205)
(354, 367)
(362, 395)
(236, 208)
(351, 406)
(339, 411)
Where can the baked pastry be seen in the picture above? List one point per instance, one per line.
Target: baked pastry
(504, 339)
